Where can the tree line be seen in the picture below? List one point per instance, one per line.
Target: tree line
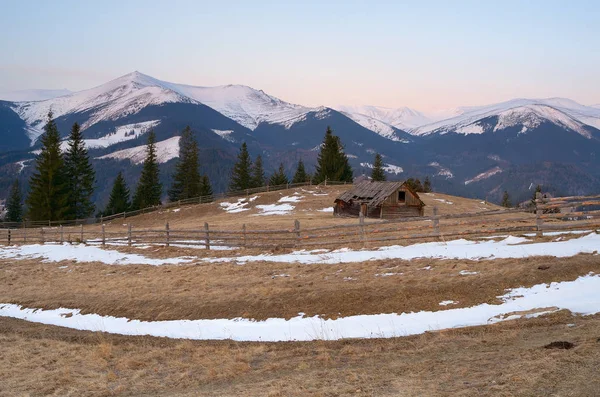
(62, 184)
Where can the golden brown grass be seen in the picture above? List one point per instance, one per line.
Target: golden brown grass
(505, 359)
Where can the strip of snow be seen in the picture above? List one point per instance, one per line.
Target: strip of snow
(446, 303)
(511, 247)
(326, 209)
(275, 209)
(444, 201)
(225, 134)
(238, 206)
(121, 134)
(83, 253)
(389, 168)
(165, 150)
(484, 175)
(579, 296)
(290, 199)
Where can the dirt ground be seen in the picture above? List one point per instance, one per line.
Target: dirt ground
(505, 359)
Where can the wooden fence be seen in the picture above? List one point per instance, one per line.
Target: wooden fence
(556, 214)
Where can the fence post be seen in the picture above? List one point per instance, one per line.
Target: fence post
(81, 234)
(8, 237)
(539, 222)
(361, 220)
(61, 234)
(24, 234)
(206, 236)
(297, 231)
(42, 235)
(103, 236)
(244, 234)
(436, 221)
(129, 234)
(167, 232)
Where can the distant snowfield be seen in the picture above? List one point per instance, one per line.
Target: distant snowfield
(580, 296)
(165, 150)
(509, 247)
(389, 168)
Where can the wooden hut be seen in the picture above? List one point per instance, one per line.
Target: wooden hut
(386, 200)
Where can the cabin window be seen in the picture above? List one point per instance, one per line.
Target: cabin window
(401, 197)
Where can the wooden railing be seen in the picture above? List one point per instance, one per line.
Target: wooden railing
(557, 214)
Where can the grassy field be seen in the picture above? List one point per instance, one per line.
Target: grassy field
(503, 359)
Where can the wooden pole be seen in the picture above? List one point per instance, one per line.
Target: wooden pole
(42, 235)
(539, 221)
(244, 235)
(103, 236)
(167, 232)
(129, 234)
(436, 221)
(361, 221)
(61, 234)
(297, 231)
(206, 236)
(25, 235)
(81, 234)
(8, 237)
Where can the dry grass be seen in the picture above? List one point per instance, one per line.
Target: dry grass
(505, 359)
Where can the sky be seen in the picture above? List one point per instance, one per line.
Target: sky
(428, 55)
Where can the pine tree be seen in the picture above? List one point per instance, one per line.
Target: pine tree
(378, 174)
(427, 185)
(80, 177)
(332, 163)
(119, 197)
(415, 185)
(149, 188)
(206, 189)
(538, 189)
(187, 179)
(279, 177)
(258, 173)
(506, 200)
(14, 205)
(300, 176)
(48, 194)
(240, 175)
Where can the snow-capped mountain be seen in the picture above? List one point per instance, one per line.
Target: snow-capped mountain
(529, 113)
(402, 118)
(32, 95)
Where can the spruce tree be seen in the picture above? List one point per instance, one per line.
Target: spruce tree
(258, 173)
(119, 197)
(240, 175)
(206, 189)
(279, 177)
(378, 174)
(538, 189)
(415, 185)
(300, 176)
(427, 185)
(187, 179)
(14, 205)
(48, 194)
(506, 200)
(80, 176)
(149, 188)
(332, 163)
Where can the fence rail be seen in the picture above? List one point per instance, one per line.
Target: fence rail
(565, 214)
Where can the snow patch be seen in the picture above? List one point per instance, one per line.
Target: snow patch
(165, 150)
(484, 175)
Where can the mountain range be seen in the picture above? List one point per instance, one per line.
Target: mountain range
(474, 151)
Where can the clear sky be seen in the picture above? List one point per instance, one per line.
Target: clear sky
(423, 54)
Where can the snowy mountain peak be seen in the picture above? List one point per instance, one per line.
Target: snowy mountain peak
(403, 118)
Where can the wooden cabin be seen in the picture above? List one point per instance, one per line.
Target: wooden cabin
(387, 200)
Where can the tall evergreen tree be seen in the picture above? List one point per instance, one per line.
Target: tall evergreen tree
(48, 194)
(415, 184)
(300, 176)
(538, 189)
(258, 173)
(332, 163)
(279, 177)
(187, 179)
(206, 189)
(149, 188)
(378, 174)
(427, 185)
(506, 200)
(119, 197)
(14, 205)
(80, 176)
(240, 175)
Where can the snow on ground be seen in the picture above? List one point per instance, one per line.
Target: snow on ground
(83, 253)
(442, 171)
(484, 175)
(225, 134)
(510, 247)
(238, 206)
(326, 209)
(444, 201)
(165, 151)
(446, 303)
(580, 296)
(389, 168)
(290, 199)
(121, 134)
(275, 209)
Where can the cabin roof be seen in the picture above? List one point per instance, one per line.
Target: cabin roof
(374, 193)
